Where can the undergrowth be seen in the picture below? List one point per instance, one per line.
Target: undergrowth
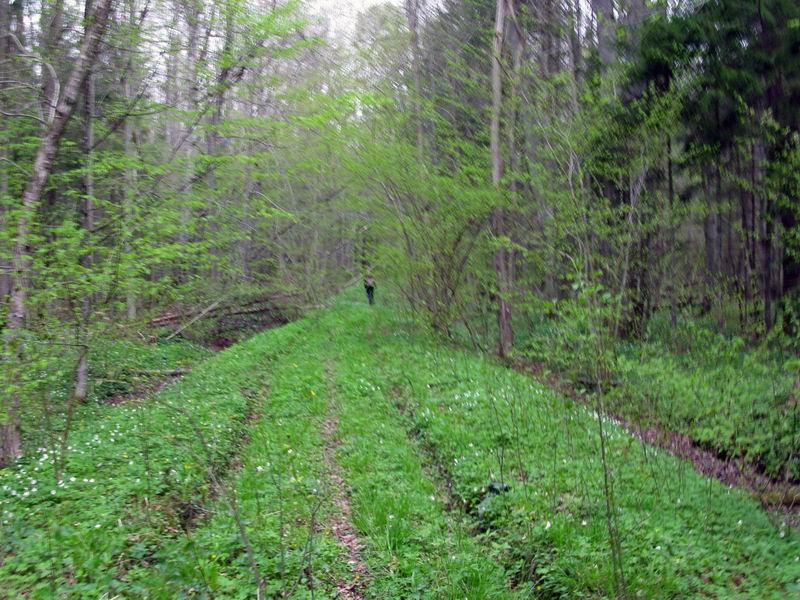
(735, 400)
(464, 480)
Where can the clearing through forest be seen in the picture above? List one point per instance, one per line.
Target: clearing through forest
(341, 486)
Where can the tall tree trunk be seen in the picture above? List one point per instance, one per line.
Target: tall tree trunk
(52, 27)
(576, 51)
(413, 16)
(606, 28)
(189, 104)
(173, 125)
(673, 288)
(711, 230)
(506, 335)
(790, 263)
(87, 222)
(5, 28)
(130, 169)
(130, 186)
(766, 243)
(10, 443)
(765, 237)
(746, 253)
(6, 49)
(127, 208)
(212, 139)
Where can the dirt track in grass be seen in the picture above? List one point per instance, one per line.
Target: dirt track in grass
(341, 523)
(781, 499)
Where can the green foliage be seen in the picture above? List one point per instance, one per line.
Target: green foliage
(465, 480)
(132, 475)
(481, 425)
(733, 399)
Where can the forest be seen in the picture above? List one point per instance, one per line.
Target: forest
(579, 221)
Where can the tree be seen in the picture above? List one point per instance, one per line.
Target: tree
(10, 443)
(501, 260)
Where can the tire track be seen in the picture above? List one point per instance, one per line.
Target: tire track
(341, 522)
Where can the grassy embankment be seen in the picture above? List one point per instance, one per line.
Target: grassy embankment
(736, 400)
(464, 480)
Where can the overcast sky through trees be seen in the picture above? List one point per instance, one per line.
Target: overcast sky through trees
(342, 13)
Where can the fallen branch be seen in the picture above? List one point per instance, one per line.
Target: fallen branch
(161, 373)
(211, 307)
(235, 309)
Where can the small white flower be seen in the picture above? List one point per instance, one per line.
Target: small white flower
(583, 522)
(547, 525)
(97, 526)
(658, 547)
(259, 468)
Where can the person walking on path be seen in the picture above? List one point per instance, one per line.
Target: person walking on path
(369, 286)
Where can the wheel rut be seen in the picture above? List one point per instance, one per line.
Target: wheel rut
(340, 522)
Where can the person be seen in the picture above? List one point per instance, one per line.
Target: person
(369, 286)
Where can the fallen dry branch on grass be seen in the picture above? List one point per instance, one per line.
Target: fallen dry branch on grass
(218, 309)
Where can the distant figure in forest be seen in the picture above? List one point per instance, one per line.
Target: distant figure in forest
(369, 285)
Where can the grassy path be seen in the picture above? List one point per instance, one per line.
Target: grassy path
(341, 523)
(350, 455)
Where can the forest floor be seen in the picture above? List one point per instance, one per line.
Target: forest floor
(352, 455)
(779, 498)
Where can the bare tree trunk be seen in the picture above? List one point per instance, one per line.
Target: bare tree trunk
(10, 443)
(766, 243)
(173, 127)
(765, 229)
(190, 78)
(5, 57)
(412, 14)
(673, 288)
(52, 27)
(711, 228)
(606, 28)
(130, 185)
(506, 334)
(746, 259)
(87, 222)
(576, 51)
(212, 139)
(130, 170)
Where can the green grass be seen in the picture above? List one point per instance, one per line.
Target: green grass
(132, 473)
(466, 480)
(735, 400)
(681, 534)
(416, 547)
(119, 367)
